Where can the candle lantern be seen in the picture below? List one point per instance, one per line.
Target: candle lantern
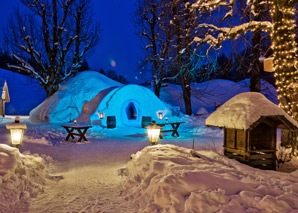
(153, 133)
(16, 131)
(101, 115)
(75, 122)
(160, 115)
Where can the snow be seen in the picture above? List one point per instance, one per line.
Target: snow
(67, 103)
(207, 94)
(243, 110)
(21, 177)
(100, 176)
(167, 178)
(117, 171)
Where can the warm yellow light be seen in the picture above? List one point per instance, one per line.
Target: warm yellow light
(16, 136)
(153, 135)
(16, 131)
(153, 132)
(160, 115)
(101, 115)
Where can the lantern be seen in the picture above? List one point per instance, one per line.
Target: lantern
(153, 133)
(268, 65)
(16, 131)
(160, 115)
(101, 115)
(167, 119)
(75, 122)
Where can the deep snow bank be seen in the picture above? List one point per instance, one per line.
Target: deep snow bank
(210, 93)
(21, 177)
(166, 178)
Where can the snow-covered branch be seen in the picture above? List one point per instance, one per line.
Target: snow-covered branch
(224, 33)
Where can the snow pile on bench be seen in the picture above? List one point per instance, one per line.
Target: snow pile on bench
(166, 178)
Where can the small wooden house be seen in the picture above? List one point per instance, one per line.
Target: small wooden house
(250, 123)
(4, 96)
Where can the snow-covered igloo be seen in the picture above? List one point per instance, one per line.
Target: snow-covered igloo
(129, 104)
(82, 97)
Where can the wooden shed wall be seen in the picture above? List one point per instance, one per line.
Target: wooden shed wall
(235, 139)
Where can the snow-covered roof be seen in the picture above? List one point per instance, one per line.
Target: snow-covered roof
(245, 109)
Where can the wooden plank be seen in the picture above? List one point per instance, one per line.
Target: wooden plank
(261, 156)
(240, 139)
(260, 162)
(240, 152)
(230, 138)
(263, 151)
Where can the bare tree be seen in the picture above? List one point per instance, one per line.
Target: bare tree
(282, 29)
(153, 28)
(55, 35)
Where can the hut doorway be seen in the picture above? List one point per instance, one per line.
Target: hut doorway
(131, 113)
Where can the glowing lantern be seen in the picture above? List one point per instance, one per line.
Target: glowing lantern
(268, 65)
(16, 131)
(101, 115)
(75, 122)
(160, 115)
(153, 133)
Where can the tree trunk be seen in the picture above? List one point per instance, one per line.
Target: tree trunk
(185, 84)
(255, 66)
(284, 54)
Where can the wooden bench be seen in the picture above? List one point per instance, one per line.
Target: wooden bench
(81, 131)
(174, 130)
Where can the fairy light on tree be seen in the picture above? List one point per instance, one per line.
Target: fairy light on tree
(282, 33)
(284, 54)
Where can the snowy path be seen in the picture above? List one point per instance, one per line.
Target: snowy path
(81, 166)
(90, 171)
(74, 194)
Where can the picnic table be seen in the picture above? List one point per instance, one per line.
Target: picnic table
(174, 130)
(81, 131)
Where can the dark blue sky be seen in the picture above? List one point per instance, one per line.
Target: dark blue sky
(118, 49)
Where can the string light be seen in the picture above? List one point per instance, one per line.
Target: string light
(284, 48)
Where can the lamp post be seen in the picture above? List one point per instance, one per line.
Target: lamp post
(16, 131)
(153, 133)
(160, 115)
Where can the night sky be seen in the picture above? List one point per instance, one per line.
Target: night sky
(118, 49)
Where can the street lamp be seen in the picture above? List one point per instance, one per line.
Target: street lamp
(16, 131)
(153, 133)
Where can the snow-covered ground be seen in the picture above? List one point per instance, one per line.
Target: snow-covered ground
(116, 170)
(51, 175)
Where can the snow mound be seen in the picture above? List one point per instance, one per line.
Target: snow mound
(67, 103)
(209, 93)
(21, 177)
(166, 178)
(202, 111)
(243, 110)
(117, 103)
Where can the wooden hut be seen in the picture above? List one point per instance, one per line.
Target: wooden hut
(250, 123)
(4, 96)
